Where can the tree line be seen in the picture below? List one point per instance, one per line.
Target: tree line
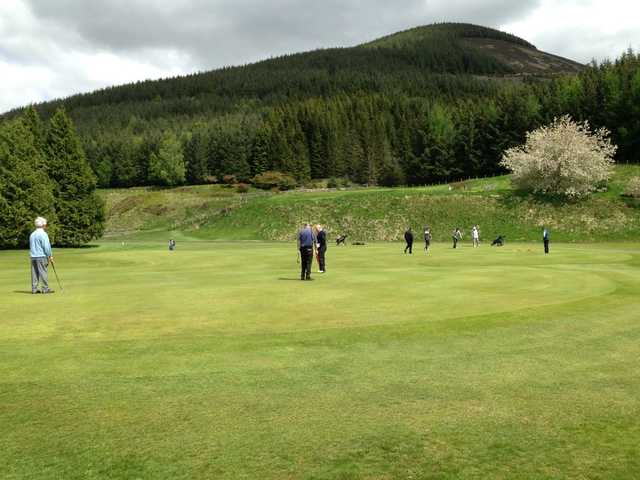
(44, 172)
(386, 138)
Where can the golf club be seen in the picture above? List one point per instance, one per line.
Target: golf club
(57, 278)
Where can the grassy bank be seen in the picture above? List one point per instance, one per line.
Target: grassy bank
(215, 212)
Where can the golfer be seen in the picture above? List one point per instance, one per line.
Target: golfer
(41, 255)
(321, 247)
(475, 235)
(427, 239)
(456, 236)
(545, 240)
(305, 246)
(408, 237)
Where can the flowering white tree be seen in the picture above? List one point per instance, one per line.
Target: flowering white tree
(565, 158)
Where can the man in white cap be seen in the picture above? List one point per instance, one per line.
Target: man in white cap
(41, 255)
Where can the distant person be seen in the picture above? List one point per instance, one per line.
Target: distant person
(427, 239)
(321, 247)
(408, 237)
(41, 255)
(172, 245)
(545, 240)
(456, 235)
(475, 235)
(305, 246)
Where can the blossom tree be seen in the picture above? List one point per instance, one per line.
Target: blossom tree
(565, 159)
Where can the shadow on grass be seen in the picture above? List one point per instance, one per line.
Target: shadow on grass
(289, 279)
(24, 292)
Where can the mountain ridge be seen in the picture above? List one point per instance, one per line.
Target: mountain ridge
(473, 37)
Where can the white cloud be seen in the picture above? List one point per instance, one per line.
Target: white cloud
(54, 48)
(582, 29)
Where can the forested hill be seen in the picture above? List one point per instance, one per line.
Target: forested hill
(425, 105)
(435, 49)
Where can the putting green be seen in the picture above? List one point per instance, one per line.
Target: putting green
(215, 361)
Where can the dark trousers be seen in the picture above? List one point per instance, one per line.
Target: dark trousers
(455, 242)
(426, 246)
(546, 245)
(321, 252)
(306, 256)
(409, 247)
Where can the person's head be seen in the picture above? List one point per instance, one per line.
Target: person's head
(319, 228)
(307, 225)
(40, 222)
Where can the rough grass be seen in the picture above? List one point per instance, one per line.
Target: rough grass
(214, 362)
(214, 212)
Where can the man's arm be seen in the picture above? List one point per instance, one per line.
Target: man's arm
(46, 247)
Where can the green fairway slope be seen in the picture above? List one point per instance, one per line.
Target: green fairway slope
(214, 361)
(216, 212)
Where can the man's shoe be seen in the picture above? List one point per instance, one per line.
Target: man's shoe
(35, 291)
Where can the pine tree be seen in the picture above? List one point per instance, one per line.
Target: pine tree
(25, 190)
(80, 211)
(195, 157)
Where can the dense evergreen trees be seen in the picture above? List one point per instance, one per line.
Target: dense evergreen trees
(43, 171)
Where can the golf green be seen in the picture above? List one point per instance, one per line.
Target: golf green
(216, 361)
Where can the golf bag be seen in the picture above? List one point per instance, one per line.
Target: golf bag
(499, 242)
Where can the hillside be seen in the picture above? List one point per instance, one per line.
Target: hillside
(447, 48)
(218, 213)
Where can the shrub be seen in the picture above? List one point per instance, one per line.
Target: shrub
(339, 182)
(271, 179)
(229, 179)
(563, 159)
(242, 188)
(462, 185)
(211, 179)
(633, 188)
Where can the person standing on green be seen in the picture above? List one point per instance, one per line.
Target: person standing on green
(427, 239)
(456, 236)
(321, 247)
(41, 255)
(306, 241)
(545, 240)
(408, 238)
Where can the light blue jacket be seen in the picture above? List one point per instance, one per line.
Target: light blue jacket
(39, 245)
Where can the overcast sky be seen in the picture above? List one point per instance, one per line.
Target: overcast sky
(54, 48)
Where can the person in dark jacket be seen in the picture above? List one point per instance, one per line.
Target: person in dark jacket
(408, 237)
(545, 240)
(306, 241)
(456, 237)
(321, 247)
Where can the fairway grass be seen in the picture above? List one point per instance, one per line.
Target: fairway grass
(215, 361)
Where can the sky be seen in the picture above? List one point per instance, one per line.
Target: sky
(55, 48)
